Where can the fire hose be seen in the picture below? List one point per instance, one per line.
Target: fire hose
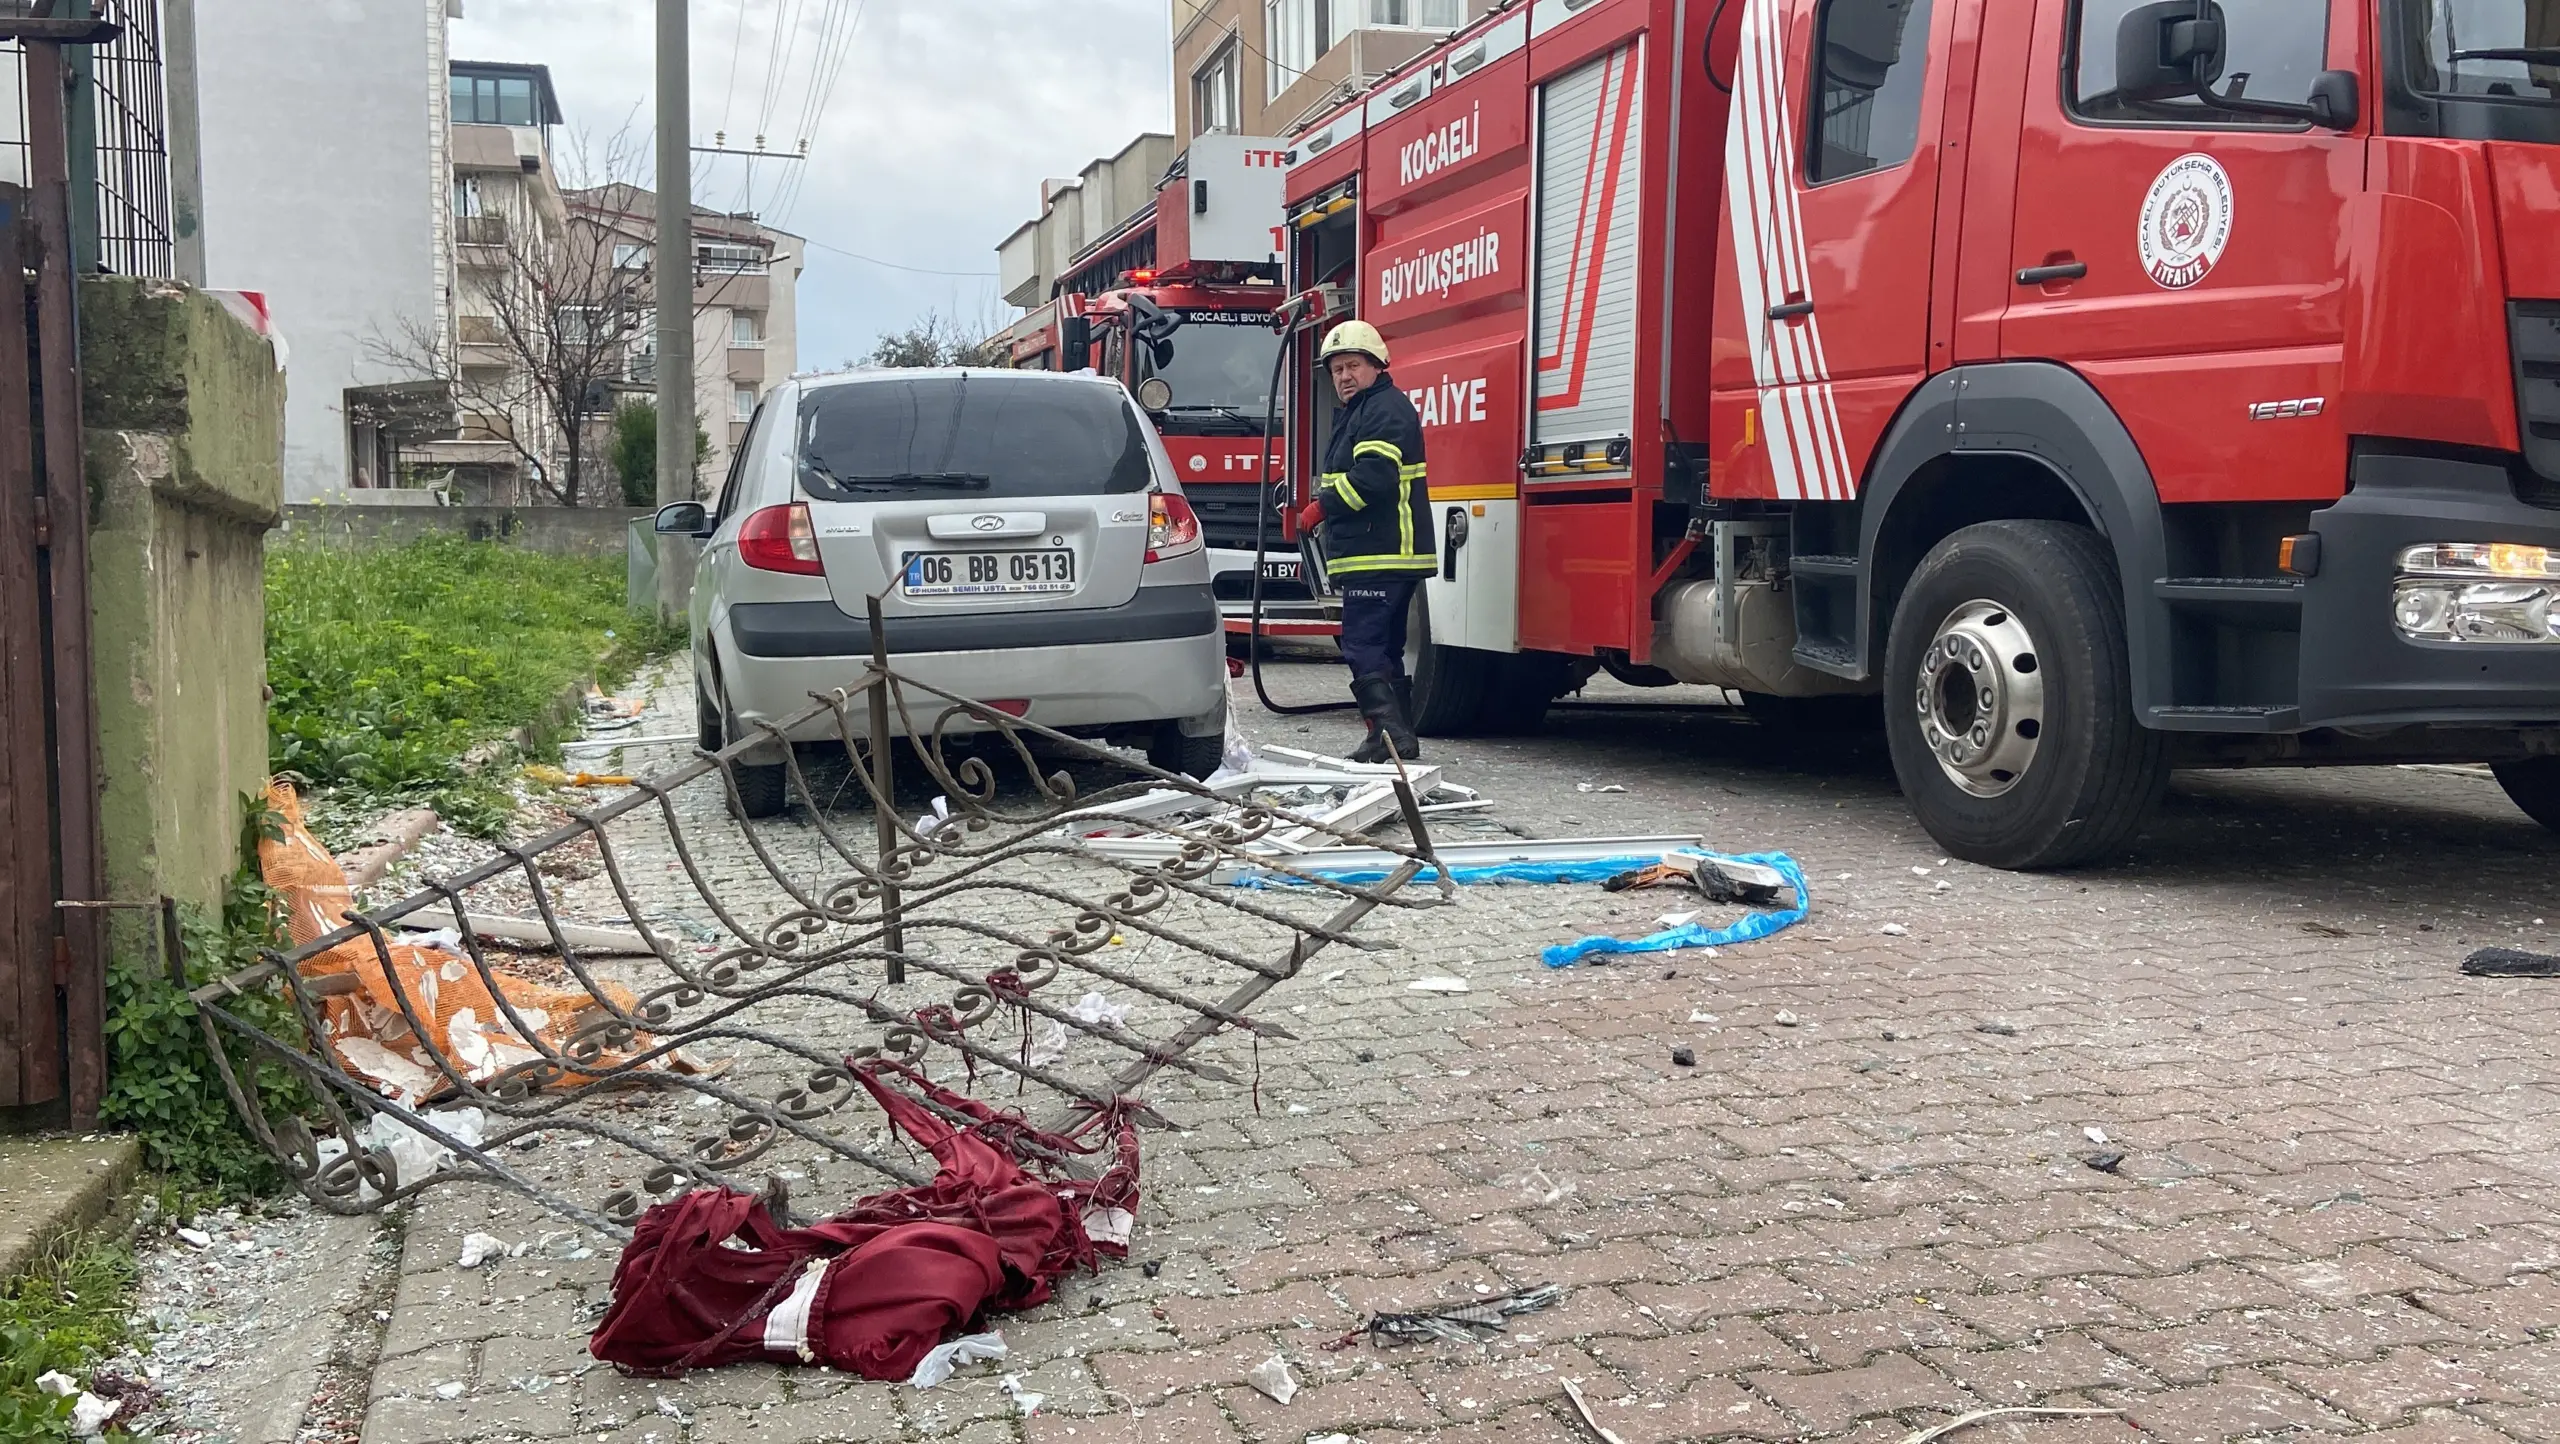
(1310, 553)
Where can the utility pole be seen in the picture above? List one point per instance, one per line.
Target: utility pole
(674, 260)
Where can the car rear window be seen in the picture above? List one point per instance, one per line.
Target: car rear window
(984, 434)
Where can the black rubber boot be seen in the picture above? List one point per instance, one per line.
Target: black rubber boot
(1372, 748)
(1404, 697)
(1385, 713)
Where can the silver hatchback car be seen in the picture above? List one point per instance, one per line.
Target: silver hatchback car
(1024, 533)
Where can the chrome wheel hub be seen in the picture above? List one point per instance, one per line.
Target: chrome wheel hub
(1981, 698)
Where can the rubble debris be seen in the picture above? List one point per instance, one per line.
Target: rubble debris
(89, 1414)
(1747, 875)
(400, 831)
(1438, 985)
(550, 776)
(1590, 1421)
(872, 1290)
(1025, 1402)
(1272, 1377)
(943, 1360)
(2510, 963)
(1965, 1421)
(195, 1238)
(1996, 1028)
(1467, 1323)
(57, 1383)
(1894, 930)
(2094, 1134)
(2109, 1162)
(1684, 1057)
(480, 1248)
(1785, 1019)
(1599, 787)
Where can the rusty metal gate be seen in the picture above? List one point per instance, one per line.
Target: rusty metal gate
(52, 959)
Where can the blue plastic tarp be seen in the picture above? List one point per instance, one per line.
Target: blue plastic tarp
(1596, 869)
(1749, 928)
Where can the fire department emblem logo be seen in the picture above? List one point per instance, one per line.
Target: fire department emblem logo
(2186, 221)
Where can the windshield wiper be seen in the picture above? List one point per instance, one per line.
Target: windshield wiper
(2529, 54)
(950, 480)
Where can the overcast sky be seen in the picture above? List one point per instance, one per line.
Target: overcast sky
(928, 148)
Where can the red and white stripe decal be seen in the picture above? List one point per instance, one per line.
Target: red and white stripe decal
(1799, 415)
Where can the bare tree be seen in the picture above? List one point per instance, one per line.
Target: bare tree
(561, 311)
(936, 340)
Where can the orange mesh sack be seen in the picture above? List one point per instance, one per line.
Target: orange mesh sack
(368, 1028)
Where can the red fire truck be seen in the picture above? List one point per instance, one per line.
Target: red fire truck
(2107, 385)
(1182, 293)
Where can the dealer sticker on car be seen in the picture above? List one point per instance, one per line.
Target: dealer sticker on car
(973, 574)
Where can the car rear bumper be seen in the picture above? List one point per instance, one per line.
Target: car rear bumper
(2357, 670)
(1160, 658)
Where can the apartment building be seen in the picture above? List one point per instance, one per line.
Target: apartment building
(746, 334)
(327, 189)
(1077, 211)
(508, 222)
(1262, 67)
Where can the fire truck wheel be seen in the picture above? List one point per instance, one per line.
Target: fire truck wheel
(1448, 682)
(1518, 690)
(2007, 702)
(2534, 784)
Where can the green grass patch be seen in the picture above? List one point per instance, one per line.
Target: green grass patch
(66, 1316)
(389, 664)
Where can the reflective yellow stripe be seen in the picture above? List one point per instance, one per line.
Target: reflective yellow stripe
(1404, 508)
(1416, 473)
(1379, 448)
(1340, 481)
(1408, 563)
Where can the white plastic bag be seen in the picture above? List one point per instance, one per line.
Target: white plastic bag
(947, 1358)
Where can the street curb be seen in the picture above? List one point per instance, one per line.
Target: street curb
(54, 1188)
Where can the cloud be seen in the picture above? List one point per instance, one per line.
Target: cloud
(928, 149)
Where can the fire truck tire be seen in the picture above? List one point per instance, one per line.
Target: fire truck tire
(2534, 785)
(2008, 701)
(1448, 682)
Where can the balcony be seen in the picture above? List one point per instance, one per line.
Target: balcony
(480, 242)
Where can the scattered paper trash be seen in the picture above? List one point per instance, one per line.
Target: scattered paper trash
(2094, 1134)
(1025, 1403)
(947, 1358)
(1598, 787)
(1677, 920)
(89, 1414)
(479, 1248)
(450, 1389)
(1438, 985)
(1467, 1323)
(194, 1238)
(1271, 1376)
(1704, 1017)
(1331, 1439)
(57, 1383)
(1894, 930)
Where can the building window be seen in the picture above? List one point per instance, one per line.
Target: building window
(1874, 60)
(630, 256)
(1297, 32)
(742, 403)
(1417, 14)
(493, 100)
(466, 196)
(729, 260)
(579, 325)
(746, 328)
(1214, 101)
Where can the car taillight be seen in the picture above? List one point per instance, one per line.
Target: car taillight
(780, 539)
(1173, 528)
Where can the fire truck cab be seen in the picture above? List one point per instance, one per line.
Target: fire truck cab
(2107, 385)
(1176, 303)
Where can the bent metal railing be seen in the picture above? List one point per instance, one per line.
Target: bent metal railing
(784, 956)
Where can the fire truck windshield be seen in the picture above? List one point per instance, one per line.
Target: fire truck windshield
(2475, 55)
(1219, 366)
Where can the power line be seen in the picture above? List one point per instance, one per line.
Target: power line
(894, 266)
(737, 41)
(823, 81)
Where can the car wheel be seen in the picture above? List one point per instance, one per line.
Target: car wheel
(2534, 785)
(706, 716)
(1192, 757)
(2008, 701)
(762, 789)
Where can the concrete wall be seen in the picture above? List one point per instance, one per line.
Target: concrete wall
(325, 188)
(186, 417)
(584, 531)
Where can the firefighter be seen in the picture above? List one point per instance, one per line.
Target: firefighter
(1372, 509)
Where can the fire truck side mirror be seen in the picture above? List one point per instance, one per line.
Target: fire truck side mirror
(2335, 100)
(1075, 343)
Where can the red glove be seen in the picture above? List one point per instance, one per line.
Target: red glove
(1311, 516)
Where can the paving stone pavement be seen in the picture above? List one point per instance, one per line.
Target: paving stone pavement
(2332, 1220)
